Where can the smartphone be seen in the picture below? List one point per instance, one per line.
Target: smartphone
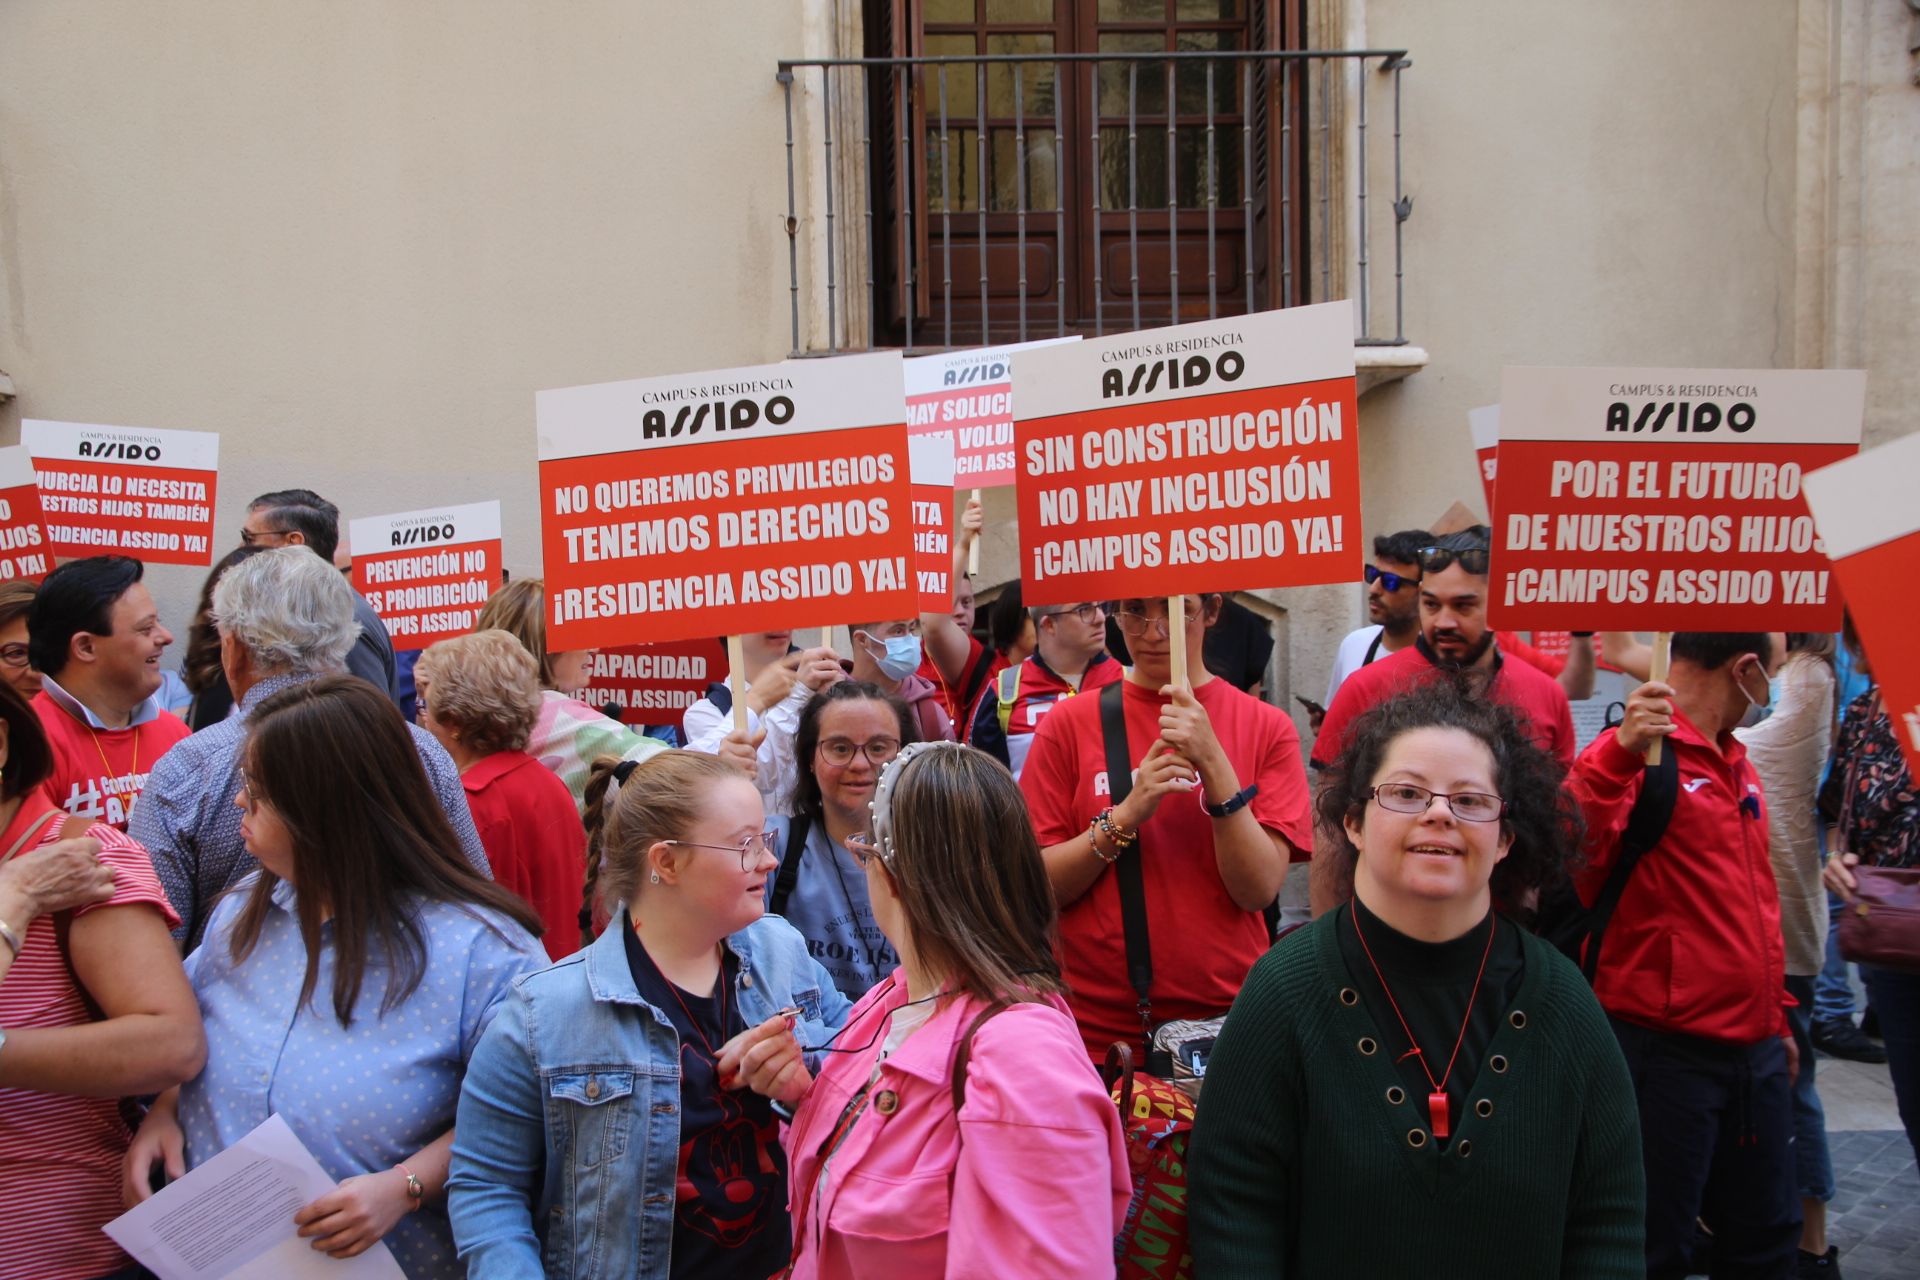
(1313, 708)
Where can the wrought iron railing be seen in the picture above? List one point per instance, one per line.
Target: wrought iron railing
(1302, 190)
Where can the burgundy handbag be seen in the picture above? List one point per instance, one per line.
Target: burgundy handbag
(1881, 926)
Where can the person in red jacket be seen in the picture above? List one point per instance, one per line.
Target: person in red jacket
(95, 637)
(480, 695)
(1692, 971)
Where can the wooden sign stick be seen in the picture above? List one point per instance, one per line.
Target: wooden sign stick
(737, 680)
(1177, 638)
(1657, 670)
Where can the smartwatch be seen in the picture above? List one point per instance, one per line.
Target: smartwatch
(1233, 804)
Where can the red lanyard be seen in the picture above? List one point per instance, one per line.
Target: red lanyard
(691, 1020)
(1437, 1099)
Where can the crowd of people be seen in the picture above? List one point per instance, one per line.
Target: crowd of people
(882, 982)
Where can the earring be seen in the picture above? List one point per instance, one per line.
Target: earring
(653, 877)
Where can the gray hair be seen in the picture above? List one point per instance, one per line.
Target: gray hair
(291, 609)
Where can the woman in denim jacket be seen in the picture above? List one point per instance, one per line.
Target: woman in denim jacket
(596, 1134)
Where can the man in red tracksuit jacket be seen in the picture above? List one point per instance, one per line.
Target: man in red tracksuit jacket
(1692, 972)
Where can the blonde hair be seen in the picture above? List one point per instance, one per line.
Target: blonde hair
(659, 798)
(485, 685)
(518, 608)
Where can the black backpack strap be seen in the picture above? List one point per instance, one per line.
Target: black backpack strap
(976, 681)
(1128, 873)
(1646, 825)
(789, 876)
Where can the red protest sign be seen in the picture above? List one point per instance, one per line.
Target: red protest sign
(1666, 499)
(932, 467)
(654, 683)
(1205, 457)
(24, 551)
(968, 395)
(1484, 423)
(134, 491)
(426, 573)
(1868, 515)
(719, 503)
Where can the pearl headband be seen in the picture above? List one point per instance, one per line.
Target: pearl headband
(882, 803)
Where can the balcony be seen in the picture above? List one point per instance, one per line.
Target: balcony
(943, 201)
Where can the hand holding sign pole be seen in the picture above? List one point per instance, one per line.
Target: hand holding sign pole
(1657, 673)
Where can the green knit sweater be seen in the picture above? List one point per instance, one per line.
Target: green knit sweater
(1303, 1165)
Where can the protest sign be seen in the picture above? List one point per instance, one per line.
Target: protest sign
(1868, 512)
(1666, 499)
(426, 573)
(134, 491)
(654, 683)
(1484, 424)
(968, 395)
(932, 460)
(1216, 456)
(24, 550)
(716, 503)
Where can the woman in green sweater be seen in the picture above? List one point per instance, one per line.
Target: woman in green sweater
(1413, 1085)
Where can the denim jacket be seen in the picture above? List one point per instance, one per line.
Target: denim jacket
(568, 1136)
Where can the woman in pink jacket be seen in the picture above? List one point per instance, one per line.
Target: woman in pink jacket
(957, 1128)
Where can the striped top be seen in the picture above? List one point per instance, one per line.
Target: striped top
(60, 1154)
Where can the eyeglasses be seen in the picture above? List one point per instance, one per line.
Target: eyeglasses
(1472, 559)
(1134, 622)
(249, 794)
(1389, 582)
(865, 849)
(840, 751)
(750, 850)
(1468, 806)
(13, 655)
(252, 536)
(1089, 613)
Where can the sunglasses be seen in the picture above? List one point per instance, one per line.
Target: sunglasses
(1472, 559)
(1389, 582)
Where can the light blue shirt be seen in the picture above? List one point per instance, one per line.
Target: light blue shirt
(365, 1097)
(831, 909)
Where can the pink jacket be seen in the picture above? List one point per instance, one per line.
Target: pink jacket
(1029, 1180)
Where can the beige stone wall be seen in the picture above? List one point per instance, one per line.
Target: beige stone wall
(355, 237)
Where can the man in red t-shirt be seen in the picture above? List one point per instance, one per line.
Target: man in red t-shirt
(1453, 637)
(95, 637)
(1218, 805)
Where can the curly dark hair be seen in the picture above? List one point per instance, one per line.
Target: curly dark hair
(1542, 814)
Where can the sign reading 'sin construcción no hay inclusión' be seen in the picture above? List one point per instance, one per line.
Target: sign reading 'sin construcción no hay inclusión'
(1204, 457)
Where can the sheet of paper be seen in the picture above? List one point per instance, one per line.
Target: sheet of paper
(232, 1218)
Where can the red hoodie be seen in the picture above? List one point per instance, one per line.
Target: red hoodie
(1694, 946)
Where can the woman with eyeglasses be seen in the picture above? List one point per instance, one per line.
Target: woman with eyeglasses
(847, 734)
(16, 601)
(1413, 1056)
(957, 1127)
(603, 1129)
(345, 984)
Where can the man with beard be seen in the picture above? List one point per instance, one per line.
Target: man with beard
(1393, 607)
(1454, 638)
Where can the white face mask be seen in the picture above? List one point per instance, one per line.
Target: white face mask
(902, 656)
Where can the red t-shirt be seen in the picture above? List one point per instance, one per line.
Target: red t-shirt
(1203, 942)
(1547, 663)
(971, 677)
(59, 1153)
(98, 773)
(1537, 697)
(534, 840)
